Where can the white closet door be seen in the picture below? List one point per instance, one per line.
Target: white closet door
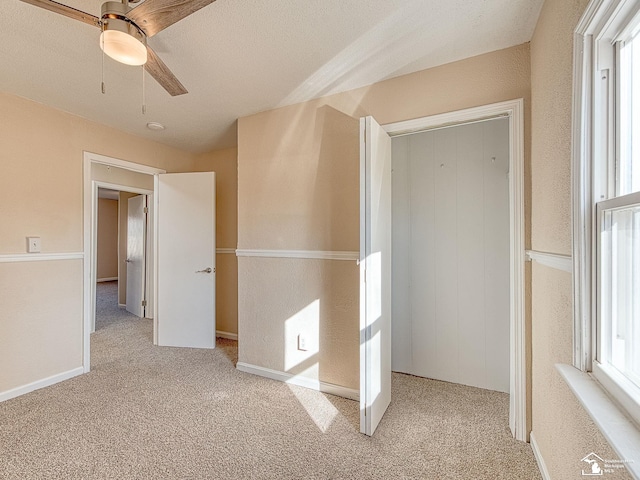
(375, 276)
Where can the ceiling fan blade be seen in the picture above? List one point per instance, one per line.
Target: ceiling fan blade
(158, 70)
(153, 16)
(66, 11)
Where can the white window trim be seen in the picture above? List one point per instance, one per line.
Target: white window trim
(621, 433)
(588, 185)
(581, 190)
(620, 387)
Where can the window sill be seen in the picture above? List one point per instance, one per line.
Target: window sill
(622, 434)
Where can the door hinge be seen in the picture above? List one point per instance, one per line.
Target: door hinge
(146, 209)
(144, 303)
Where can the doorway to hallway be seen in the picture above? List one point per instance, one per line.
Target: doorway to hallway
(124, 248)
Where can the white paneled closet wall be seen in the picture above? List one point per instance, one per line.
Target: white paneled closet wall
(451, 254)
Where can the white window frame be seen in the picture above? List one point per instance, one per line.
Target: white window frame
(594, 138)
(595, 146)
(625, 391)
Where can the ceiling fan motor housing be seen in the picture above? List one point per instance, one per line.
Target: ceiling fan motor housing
(121, 39)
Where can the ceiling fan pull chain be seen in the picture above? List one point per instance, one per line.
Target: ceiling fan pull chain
(144, 101)
(102, 73)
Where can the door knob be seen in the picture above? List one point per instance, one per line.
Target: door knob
(206, 270)
(128, 261)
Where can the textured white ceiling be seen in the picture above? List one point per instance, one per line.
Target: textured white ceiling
(241, 57)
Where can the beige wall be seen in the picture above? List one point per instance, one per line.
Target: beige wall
(298, 175)
(40, 320)
(298, 183)
(552, 87)
(563, 430)
(107, 261)
(225, 164)
(41, 182)
(315, 298)
(41, 194)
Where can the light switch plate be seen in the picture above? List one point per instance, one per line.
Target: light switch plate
(33, 244)
(302, 342)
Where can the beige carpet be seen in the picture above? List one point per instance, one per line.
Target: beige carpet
(148, 412)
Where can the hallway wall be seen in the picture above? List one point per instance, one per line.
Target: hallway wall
(107, 261)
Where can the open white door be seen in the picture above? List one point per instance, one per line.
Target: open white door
(149, 256)
(375, 274)
(136, 230)
(185, 267)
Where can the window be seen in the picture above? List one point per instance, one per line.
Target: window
(607, 201)
(617, 362)
(628, 177)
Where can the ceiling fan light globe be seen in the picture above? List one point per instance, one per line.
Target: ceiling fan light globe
(123, 48)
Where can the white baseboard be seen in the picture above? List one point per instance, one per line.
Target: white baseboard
(107, 279)
(229, 335)
(45, 382)
(300, 381)
(122, 305)
(538, 456)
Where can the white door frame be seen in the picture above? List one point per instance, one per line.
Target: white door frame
(90, 242)
(514, 111)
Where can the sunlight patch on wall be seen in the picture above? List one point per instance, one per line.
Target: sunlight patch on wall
(301, 341)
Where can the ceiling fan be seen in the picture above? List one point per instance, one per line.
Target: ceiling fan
(125, 30)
